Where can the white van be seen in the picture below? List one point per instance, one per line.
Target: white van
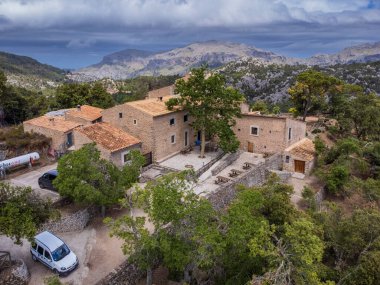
(54, 253)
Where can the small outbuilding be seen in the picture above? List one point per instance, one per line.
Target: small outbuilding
(300, 157)
(113, 143)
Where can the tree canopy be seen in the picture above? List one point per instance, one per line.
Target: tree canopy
(310, 91)
(87, 178)
(21, 212)
(212, 106)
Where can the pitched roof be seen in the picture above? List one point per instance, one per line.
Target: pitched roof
(303, 149)
(108, 136)
(56, 123)
(154, 107)
(86, 112)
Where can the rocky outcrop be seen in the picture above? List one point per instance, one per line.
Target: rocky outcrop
(16, 274)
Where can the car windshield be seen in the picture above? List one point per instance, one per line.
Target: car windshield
(60, 252)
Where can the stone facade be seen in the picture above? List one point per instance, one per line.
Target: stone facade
(163, 131)
(59, 139)
(267, 134)
(155, 131)
(300, 157)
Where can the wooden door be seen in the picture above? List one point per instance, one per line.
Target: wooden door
(299, 166)
(250, 147)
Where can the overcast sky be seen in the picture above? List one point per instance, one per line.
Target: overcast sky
(77, 33)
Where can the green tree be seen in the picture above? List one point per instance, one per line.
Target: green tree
(211, 105)
(89, 179)
(182, 230)
(260, 105)
(98, 97)
(21, 212)
(310, 90)
(365, 115)
(70, 95)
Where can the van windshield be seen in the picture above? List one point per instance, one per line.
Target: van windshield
(60, 252)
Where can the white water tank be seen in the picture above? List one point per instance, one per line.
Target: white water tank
(20, 160)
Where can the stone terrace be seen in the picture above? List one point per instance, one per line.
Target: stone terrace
(190, 160)
(206, 182)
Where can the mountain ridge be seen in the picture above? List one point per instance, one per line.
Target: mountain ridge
(131, 63)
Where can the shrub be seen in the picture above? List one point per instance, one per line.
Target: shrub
(337, 178)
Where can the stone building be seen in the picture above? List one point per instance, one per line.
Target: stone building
(267, 134)
(163, 132)
(85, 114)
(161, 92)
(113, 143)
(54, 127)
(300, 156)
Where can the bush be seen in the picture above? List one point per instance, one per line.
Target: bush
(316, 131)
(52, 280)
(337, 179)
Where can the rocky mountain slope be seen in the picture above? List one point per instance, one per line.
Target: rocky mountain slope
(132, 63)
(27, 72)
(270, 82)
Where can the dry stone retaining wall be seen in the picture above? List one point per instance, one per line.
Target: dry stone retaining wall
(74, 222)
(17, 274)
(228, 160)
(256, 176)
(126, 274)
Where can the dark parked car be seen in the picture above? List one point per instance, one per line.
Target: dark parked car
(46, 180)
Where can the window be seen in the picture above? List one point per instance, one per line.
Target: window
(186, 118)
(287, 159)
(172, 139)
(290, 134)
(120, 115)
(69, 139)
(47, 255)
(40, 250)
(126, 157)
(254, 131)
(172, 121)
(135, 122)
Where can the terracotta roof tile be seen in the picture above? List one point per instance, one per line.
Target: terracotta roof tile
(303, 149)
(108, 136)
(153, 107)
(54, 123)
(86, 112)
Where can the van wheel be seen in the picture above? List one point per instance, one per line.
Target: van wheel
(34, 257)
(55, 271)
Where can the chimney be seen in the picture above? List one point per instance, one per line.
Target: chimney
(78, 107)
(160, 99)
(51, 121)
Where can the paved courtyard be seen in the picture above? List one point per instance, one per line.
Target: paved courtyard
(189, 160)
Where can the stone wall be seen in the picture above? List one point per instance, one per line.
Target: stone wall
(228, 160)
(283, 175)
(70, 223)
(256, 176)
(17, 274)
(58, 138)
(274, 162)
(207, 166)
(126, 274)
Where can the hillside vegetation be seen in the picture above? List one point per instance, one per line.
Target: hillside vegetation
(271, 82)
(27, 72)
